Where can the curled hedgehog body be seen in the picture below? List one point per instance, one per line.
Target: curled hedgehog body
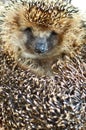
(46, 38)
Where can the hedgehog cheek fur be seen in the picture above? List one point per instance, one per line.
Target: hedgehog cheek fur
(35, 51)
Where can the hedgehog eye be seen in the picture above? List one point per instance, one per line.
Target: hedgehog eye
(53, 39)
(29, 29)
(29, 33)
(53, 33)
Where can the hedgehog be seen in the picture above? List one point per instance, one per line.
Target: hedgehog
(43, 66)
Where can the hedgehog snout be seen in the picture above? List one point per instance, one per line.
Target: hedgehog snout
(45, 44)
(41, 45)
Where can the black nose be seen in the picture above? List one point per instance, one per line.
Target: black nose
(41, 47)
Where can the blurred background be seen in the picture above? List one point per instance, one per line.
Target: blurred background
(81, 4)
(3, 0)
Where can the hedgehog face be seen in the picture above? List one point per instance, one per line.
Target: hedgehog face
(35, 42)
(39, 42)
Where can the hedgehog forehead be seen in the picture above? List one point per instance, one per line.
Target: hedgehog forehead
(41, 12)
(38, 16)
(39, 31)
(49, 5)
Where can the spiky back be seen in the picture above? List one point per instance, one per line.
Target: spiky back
(47, 103)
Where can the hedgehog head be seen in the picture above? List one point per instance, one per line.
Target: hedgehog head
(36, 31)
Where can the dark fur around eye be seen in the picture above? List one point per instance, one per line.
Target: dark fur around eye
(53, 36)
(28, 32)
(53, 33)
(53, 39)
(30, 37)
(28, 29)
